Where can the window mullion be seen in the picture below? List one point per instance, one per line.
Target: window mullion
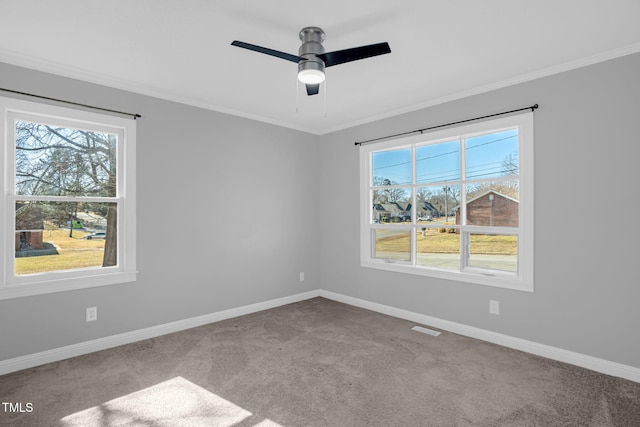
(464, 239)
(464, 250)
(414, 243)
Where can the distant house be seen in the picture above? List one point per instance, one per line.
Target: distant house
(404, 209)
(92, 220)
(491, 209)
(425, 209)
(380, 213)
(393, 210)
(385, 212)
(29, 227)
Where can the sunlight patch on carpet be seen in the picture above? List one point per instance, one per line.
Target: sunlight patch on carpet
(176, 402)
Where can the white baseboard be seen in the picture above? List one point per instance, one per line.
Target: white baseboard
(54, 355)
(561, 355)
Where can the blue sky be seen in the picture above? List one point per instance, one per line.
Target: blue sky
(439, 163)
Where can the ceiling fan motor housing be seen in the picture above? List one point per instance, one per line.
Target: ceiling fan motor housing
(312, 38)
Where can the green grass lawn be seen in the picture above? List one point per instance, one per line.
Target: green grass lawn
(73, 252)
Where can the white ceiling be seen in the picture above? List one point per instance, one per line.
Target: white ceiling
(441, 50)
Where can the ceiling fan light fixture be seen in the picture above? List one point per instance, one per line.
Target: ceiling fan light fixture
(311, 76)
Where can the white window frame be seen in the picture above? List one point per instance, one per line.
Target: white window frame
(520, 280)
(13, 286)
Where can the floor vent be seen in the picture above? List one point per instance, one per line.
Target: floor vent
(426, 331)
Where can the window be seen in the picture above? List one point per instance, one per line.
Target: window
(454, 204)
(68, 211)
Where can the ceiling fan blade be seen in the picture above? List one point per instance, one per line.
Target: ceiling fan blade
(355, 53)
(267, 51)
(313, 89)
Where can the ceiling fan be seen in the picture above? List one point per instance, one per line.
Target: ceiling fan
(312, 59)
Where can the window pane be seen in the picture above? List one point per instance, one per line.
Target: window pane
(54, 236)
(438, 247)
(391, 205)
(392, 244)
(391, 167)
(438, 162)
(437, 203)
(494, 251)
(58, 161)
(493, 204)
(492, 155)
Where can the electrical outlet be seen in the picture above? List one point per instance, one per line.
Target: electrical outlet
(92, 314)
(302, 276)
(494, 307)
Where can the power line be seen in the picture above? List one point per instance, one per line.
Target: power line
(490, 168)
(444, 154)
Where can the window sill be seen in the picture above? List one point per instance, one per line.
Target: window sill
(506, 281)
(26, 289)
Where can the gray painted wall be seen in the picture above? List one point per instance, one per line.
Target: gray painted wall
(230, 210)
(587, 281)
(227, 216)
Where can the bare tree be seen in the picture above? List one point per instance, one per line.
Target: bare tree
(378, 195)
(389, 194)
(423, 195)
(395, 195)
(510, 164)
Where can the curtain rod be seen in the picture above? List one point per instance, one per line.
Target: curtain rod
(134, 115)
(533, 107)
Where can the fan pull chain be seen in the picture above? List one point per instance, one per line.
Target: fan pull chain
(325, 98)
(297, 96)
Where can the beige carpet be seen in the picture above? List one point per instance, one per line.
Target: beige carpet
(316, 363)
